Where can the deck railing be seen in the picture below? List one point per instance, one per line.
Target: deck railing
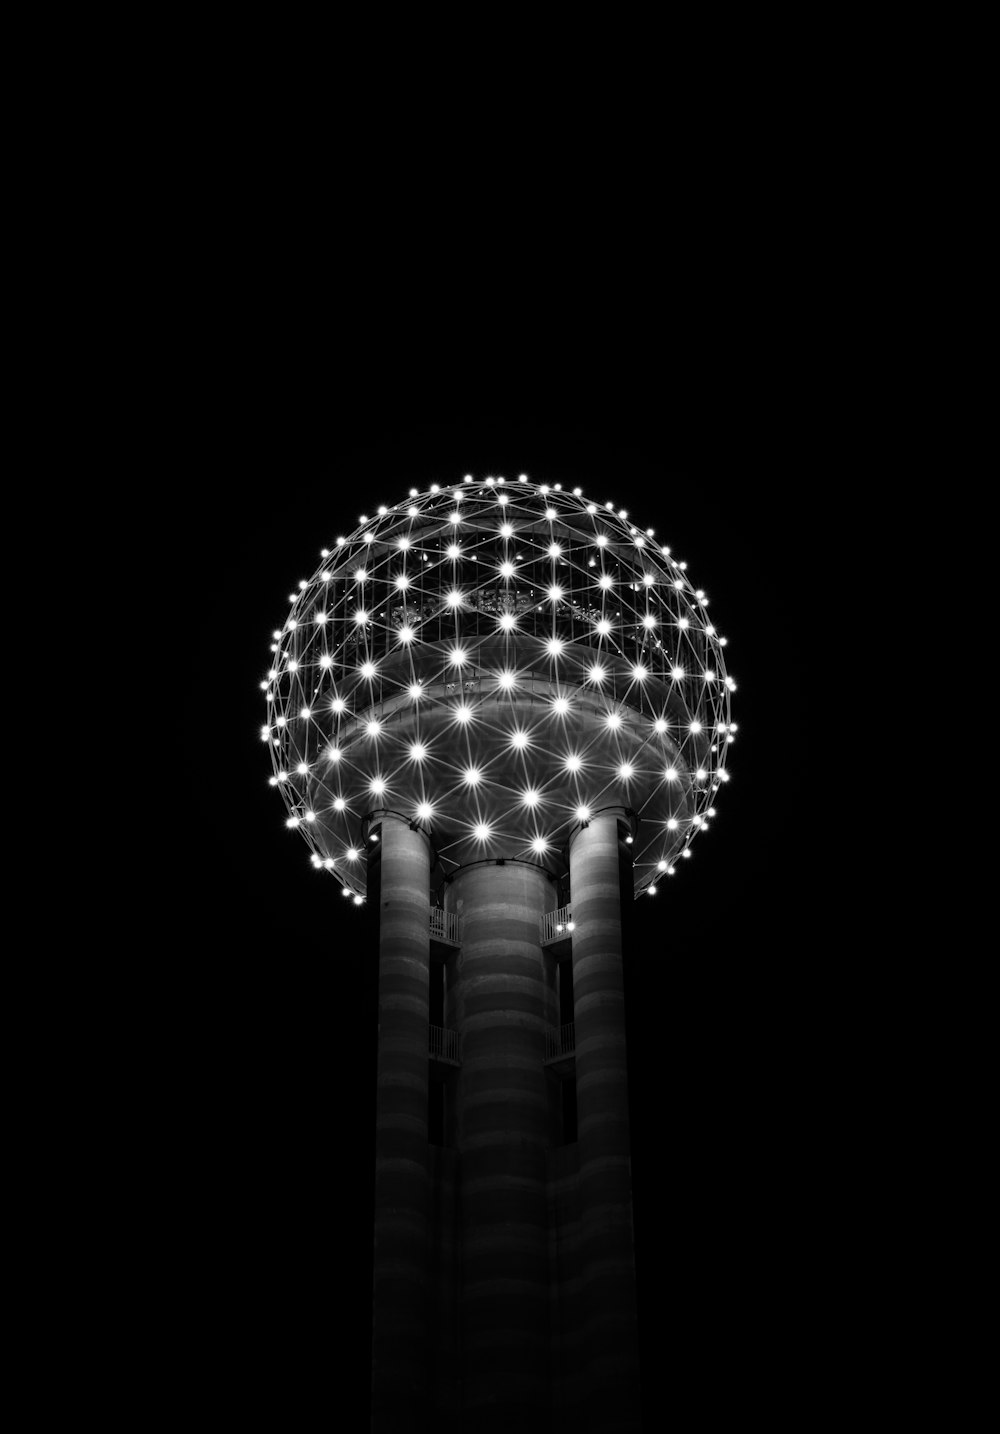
(556, 925)
(560, 1042)
(444, 926)
(444, 1044)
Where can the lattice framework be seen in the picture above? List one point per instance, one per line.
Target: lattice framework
(498, 661)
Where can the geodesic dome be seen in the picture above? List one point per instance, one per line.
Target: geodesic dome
(498, 661)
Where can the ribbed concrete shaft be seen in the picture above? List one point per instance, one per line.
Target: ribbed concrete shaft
(402, 1195)
(503, 1117)
(603, 1131)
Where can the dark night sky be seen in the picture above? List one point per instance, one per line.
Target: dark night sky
(722, 987)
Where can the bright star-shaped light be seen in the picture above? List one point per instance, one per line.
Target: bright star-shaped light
(425, 811)
(368, 669)
(507, 622)
(561, 706)
(554, 646)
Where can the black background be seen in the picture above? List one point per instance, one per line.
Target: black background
(734, 460)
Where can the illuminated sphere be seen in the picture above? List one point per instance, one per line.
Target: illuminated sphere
(498, 694)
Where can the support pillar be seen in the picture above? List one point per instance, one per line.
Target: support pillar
(402, 1187)
(499, 1004)
(603, 1130)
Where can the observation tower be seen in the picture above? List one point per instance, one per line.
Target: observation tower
(498, 709)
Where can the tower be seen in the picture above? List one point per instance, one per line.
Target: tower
(494, 710)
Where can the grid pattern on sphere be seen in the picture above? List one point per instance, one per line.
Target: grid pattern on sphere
(497, 662)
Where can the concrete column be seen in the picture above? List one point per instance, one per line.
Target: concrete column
(499, 1002)
(603, 1130)
(402, 1187)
